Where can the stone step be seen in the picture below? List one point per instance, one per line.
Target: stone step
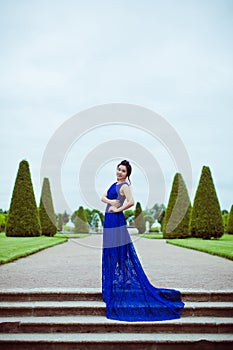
(65, 308)
(75, 319)
(50, 294)
(115, 341)
(71, 294)
(99, 324)
(52, 308)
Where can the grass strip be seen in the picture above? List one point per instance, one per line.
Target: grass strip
(222, 247)
(73, 235)
(152, 235)
(12, 248)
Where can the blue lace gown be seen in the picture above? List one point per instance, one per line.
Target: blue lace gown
(126, 290)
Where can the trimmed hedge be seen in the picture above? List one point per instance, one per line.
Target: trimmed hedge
(230, 222)
(206, 218)
(177, 215)
(46, 211)
(139, 220)
(3, 219)
(80, 221)
(23, 218)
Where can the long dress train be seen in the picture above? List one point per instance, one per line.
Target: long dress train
(126, 290)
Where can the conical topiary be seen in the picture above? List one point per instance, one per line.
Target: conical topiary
(23, 219)
(177, 215)
(230, 222)
(59, 222)
(3, 218)
(46, 211)
(80, 221)
(206, 218)
(225, 217)
(139, 220)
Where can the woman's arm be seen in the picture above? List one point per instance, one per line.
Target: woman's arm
(113, 202)
(129, 200)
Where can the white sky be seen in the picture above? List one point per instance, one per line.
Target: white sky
(61, 57)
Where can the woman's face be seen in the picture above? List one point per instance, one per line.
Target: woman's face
(121, 173)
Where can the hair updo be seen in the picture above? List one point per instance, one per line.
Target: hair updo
(128, 167)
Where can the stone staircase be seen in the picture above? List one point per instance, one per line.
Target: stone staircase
(75, 319)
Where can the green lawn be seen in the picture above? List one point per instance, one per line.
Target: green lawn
(152, 235)
(222, 247)
(73, 235)
(12, 248)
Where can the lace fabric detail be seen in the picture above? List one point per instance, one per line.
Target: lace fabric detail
(126, 290)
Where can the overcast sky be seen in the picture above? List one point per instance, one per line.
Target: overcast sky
(59, 58)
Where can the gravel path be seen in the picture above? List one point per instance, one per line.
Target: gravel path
(77, 264)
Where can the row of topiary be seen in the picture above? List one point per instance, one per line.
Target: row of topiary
(24, 218)
(204, 219)
(181, 220)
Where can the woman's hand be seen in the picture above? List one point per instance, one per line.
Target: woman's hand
(113, 209)
(114, 202)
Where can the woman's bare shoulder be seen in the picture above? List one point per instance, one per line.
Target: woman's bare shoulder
(125, 188)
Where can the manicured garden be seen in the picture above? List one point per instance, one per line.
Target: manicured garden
(13, 248)
(201, 226)
(222, 247)
(16, 247)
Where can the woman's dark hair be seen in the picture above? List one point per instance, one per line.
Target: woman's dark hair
(128, 167)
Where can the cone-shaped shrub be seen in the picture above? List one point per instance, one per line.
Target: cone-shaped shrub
(59, 222)
(177, 215)
(139, 220)
(230, 222)
(47, 214)
(23, 218)
(3, 218)
(80, 221)
(206, 218)
(225, 217)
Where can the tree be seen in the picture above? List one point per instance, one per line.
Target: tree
(80, 221)
(91, 213)
(65, 217)
(224, 211)
(161, 218)
(225, 217)
(46, 211)
(149, 218)
(139, 219)
(158, 209)
(206, 218)
(59, 222)
(3, 219)
(177, 215)
(23, 218)
(101, 215)
(128, 213)
(230, 222)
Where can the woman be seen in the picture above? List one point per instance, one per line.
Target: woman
(126, 290)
